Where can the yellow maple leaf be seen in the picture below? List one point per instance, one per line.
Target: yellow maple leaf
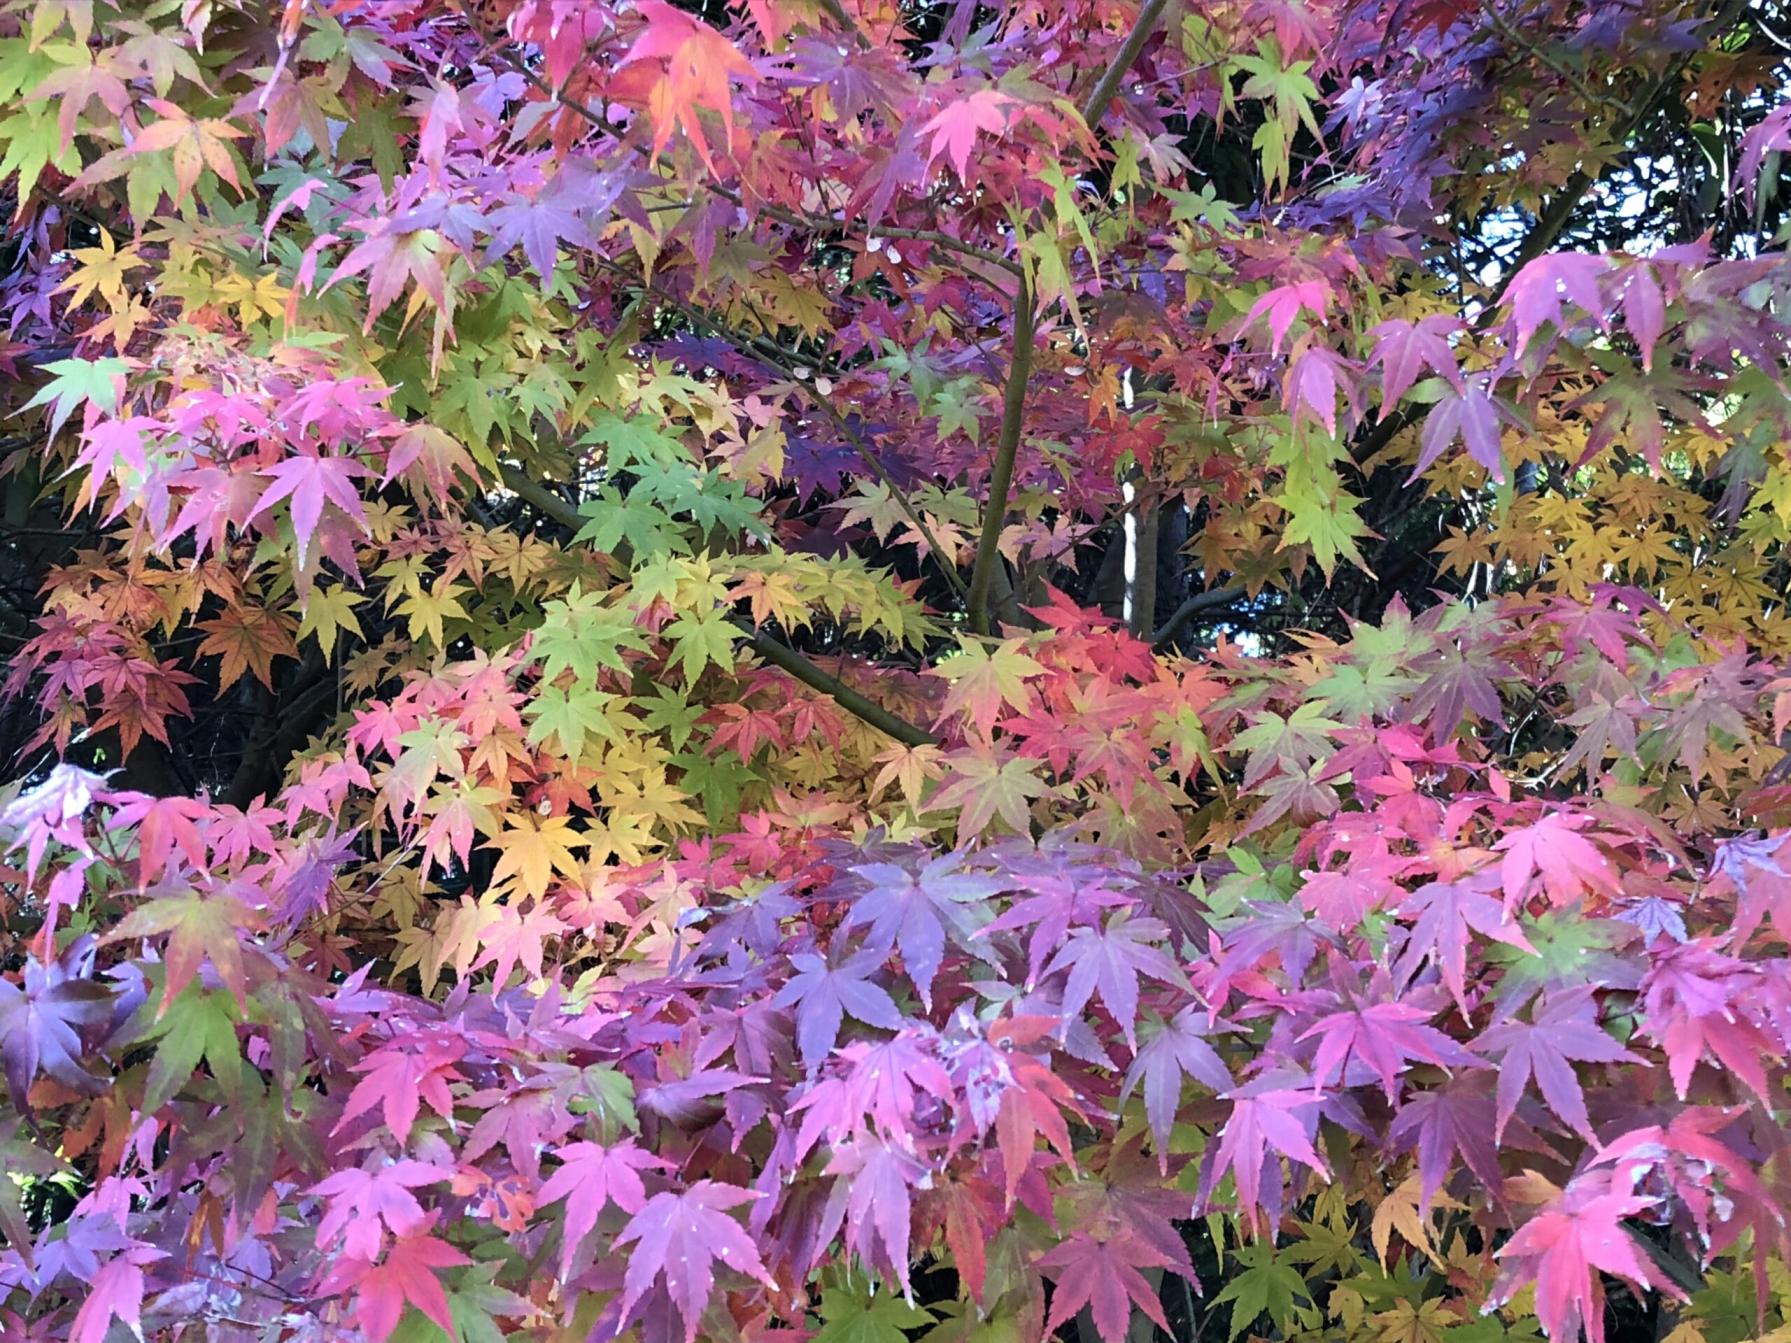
(424, 613)
(531, 849)
(1399, 1211)
(327, 613)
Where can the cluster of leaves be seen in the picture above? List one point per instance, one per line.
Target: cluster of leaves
(675, 1094)
(697, 849)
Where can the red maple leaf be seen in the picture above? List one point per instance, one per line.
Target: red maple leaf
(1105, 1277)
(406, 1277)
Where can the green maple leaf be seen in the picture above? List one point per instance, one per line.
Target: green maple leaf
(718, 780)
(636, 519)
(1355, 692)
(1325, 522)
(1569, 951)
(198, 1025)
(1265, 1286)
(570, 715)
(631, 442)
(701, 640)
(582, 633)
(848, 1317)
(75, 382)
(671, 712)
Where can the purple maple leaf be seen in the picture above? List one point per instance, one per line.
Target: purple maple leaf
(824, 995)
(1564, 1029)
(1110, 960)
(912, 912)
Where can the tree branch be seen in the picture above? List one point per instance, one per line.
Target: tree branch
(787, 658)
(1096, 106)
(1001, 479)
(533, 492)
(1200, 601)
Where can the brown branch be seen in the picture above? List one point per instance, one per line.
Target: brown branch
(1013, 417)
(533, 492)
(1096, 106)
(1200, 601)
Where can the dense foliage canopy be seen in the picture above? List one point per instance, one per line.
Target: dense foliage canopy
(879, 670)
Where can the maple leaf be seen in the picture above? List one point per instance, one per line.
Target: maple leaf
(824, 994)
(516, 936)
(681, 1237)
(699, 65)
(1536, 294)
(1109, 960)
(954, 127)
(193, 145)
(989, 782)
(1443, 914)
(1406, 1209)
(1568, 863)
(246, 638)
(1471, 415)
(426, 612)
(43, 1024)
(1283, 304)
(400, 1077)
(1456, 1119)
(1383, 1036)
(873, 1184)
(1265, 1118)
(310, 482)
(1403, 349)
(327, 612)
(114, 1292)
(911, 912)
(1175, 1050)
(1694, 1001)
(531, 849)
(1105, 1277)
(1564, 1029)
(405, 1277)
(848, 1317)
(1261, 1284)
(361, 1201)
(1563, 1249)
(589, 1177)
(199, 928)
(984, 681)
